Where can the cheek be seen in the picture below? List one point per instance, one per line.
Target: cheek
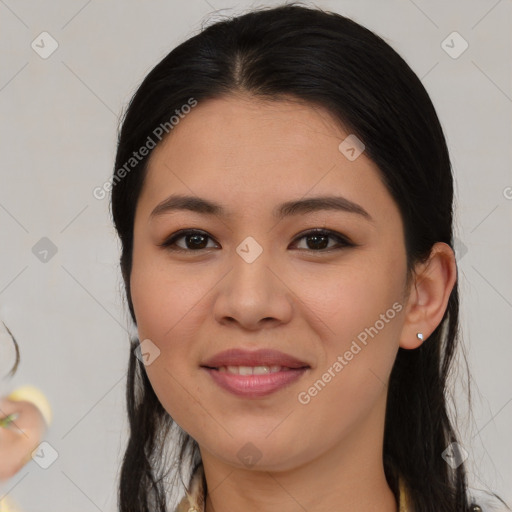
(363, 313)
(167, 307)
(161, 296)
(350, 297)
(365, 320)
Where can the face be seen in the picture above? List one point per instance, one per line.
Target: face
(250, 279)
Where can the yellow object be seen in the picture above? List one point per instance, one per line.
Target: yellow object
(36, 396)
(6, 505)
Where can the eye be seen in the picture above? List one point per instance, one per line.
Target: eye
(194, 240)
(317, 240)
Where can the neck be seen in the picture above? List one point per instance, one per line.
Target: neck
(346, 477)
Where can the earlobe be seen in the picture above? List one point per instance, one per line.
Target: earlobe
(428, 298)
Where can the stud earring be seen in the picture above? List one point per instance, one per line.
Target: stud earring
(419, 335)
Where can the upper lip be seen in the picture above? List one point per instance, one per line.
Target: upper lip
(261, 357)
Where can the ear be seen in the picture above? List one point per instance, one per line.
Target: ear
(428, 295)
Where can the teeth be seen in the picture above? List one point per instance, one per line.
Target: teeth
(251, 370)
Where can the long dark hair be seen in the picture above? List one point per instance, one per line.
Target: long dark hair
(328, 60)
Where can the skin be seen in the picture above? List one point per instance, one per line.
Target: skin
(21, 437)
(250, 156)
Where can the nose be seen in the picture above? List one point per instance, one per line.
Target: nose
(254, 294)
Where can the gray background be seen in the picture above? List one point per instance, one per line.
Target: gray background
(58, 134)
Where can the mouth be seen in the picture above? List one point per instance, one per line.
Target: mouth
(248, 362)
(254, 370)
(252, 382)
(254, 374)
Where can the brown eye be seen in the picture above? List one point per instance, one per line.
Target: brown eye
(194, 241)
(318, 240)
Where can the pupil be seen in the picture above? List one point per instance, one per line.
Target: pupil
(196, 238)
(316, 238)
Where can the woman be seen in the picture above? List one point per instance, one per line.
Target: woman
(283, 194)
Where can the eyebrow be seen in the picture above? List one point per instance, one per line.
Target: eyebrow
(287, 209)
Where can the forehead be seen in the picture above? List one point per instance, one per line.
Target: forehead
(244, 151)
(234, 125)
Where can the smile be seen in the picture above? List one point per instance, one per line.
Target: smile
(254, 382)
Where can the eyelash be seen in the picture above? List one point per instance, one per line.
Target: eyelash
(342, 240)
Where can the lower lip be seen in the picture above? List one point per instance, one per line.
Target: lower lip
(254, 386)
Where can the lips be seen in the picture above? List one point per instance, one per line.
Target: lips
(261, 357)
(255, 386)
